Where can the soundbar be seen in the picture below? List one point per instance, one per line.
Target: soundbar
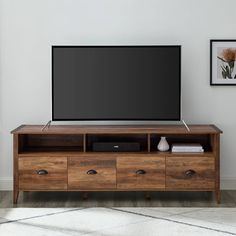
(116, 147)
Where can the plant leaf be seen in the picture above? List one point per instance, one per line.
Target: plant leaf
(231, 64)
(223, 75)
(228, 74)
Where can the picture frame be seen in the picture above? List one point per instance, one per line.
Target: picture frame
(222, 62)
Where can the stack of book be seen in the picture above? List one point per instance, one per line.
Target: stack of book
(187, 147)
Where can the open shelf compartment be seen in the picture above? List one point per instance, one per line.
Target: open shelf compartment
(142, 139)
(50, 143)
(203, 139)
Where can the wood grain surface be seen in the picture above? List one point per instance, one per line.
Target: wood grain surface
(152, 178)
(104, 177)
(203, 176)
(64, 155)
(56, 178)
(122, 129)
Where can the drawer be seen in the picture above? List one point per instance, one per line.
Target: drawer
(91, 173)
(140, 172)
(43, 173)
(190, 172)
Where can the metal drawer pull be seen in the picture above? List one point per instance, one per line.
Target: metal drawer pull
(92, 172)
(190, 173)
(42, 172)
(140, 172)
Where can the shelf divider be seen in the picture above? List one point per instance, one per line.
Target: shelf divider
(84, 142)
(149, 142)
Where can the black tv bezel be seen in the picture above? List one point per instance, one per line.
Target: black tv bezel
(115, 46)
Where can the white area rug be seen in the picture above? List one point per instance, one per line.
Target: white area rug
(117, 221)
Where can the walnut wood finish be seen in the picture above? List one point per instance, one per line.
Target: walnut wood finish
(142, 172)
(50, 142)
(15, 168)
(217, 166)
(91, 173)
(117, 129)
(58, 152)
(190, 172)
(42, 173)
(61, 158)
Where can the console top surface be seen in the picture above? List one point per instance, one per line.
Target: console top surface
(117, 129)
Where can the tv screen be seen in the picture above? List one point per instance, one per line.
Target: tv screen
(116, 82)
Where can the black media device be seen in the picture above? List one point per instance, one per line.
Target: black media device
(116, 83)
(116, 147)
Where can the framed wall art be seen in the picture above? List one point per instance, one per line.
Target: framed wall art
(222, 62)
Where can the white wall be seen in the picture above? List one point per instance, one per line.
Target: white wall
(28, 28)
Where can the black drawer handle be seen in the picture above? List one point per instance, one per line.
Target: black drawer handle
(190, 173)
(92, 172)
(140, 172)
(42, 172)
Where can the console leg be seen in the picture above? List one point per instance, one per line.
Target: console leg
(218, 197)
(147, 196)
(15, 196)
(85, 196)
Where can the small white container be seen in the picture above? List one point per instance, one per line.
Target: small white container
(163, 145)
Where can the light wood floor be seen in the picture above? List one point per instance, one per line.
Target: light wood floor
(118, 199)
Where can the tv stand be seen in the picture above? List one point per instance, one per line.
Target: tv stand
(62, 159)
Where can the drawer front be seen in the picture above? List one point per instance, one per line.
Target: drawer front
(141, 172)
(91, 173)
(190, 172)
(43, 173)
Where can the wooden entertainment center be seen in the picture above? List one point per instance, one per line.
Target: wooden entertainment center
(60, 158)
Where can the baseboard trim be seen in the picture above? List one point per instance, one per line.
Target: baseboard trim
(6, 183)
(228, 183)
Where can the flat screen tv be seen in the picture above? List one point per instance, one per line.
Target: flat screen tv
(116, 82)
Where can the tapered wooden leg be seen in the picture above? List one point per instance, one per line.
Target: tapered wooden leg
(15, 196)
(15, 168)
(147, 196)
(218, 197)
(85, 196)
